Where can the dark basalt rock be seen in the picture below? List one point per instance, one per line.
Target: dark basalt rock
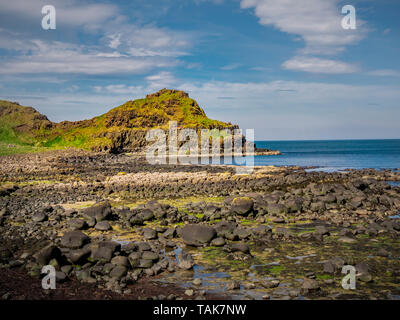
(74, 240)
(197, 235)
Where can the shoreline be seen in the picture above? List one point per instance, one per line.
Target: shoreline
(284, 223)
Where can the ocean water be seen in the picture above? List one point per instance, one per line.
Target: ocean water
(333, 155)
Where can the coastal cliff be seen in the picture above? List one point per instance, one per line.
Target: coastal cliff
(122, 129)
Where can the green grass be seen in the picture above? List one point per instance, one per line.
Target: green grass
(32, 132)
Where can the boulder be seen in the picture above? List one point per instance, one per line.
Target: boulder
(118, 272)
(39, 217)
(242, 206)
(197, 235)
(74, 240)
(185, 261)
(102, 226)
(149, 234)
(79, 256)
(100, 211)
(102, 254)
(120, 261)
(309, 285)
(241, 247)
(45, 255)
(77, 224)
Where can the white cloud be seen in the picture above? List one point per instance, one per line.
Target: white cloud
(317, 65)
(71, 12)
(384, 73)
(161, 80)
(317, 22)
(58, 57)
(123, 47)
(232, 66)
(155, 82)
(114, 41)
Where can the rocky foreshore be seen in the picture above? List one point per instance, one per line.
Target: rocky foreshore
(118, 227)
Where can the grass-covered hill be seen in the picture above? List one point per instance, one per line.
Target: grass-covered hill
(121, 129)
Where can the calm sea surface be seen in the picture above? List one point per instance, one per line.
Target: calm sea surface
(333, 155)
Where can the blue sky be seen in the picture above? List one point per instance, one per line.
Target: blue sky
(283, 67)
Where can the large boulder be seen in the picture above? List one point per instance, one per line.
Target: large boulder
(242, 206)
(100, 211)
(74, 240)
(102, 254)
(79, 256)
(46, 254)
(197, 235)
(102, 226)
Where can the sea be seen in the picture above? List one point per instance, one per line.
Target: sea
(333, 155)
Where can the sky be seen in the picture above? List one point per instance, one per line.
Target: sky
(285, 68)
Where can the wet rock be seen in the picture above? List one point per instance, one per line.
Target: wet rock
(136, 221)
(114, 246)
(79, 256)
(318, 206)
(149, 234)
(321, 230)
(120, 261)
(102, 254)
(337, 262)
(262, 230)
(44, 256)
(197, 282)
(60, 277)
(102, 226)
(233, 285)
(309, 286)
(100, 211)
(196, 235)
(329, 267)
(145, 263)
(134, 259)
(157, 208)
(269, 284)
(346, 240)
(74, 240)
(169, 233)
(287, 233)
(189, 292)
(276, 209)
(278, 220)
(242, 206)
(118, 272)
(241, 247)
(242, 233)
(362, 268)
(143, 246)
(77, 224)
(149, 255)
(146, 215)
(186, 261)
(39, 217)
(218, 242)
